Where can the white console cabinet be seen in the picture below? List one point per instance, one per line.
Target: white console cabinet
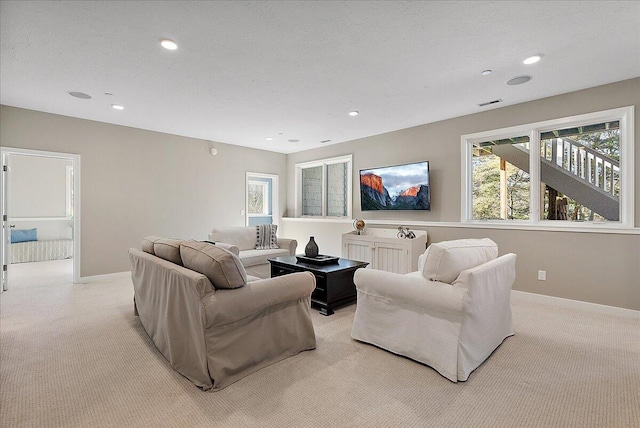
(383, 250)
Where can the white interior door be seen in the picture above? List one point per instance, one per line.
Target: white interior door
(6, 226)
(7, 154)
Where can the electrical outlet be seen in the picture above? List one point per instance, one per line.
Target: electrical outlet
(241, 212)
(542, 275)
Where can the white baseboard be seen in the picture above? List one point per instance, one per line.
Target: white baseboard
(106, 276)
(577, 304)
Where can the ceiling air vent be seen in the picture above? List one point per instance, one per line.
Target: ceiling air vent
(489, 103)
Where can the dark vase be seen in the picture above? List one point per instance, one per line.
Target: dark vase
(311, 250)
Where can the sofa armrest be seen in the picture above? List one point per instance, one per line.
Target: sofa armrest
(168, 298)
(149, 272)
(410, 289)
(231, 305)
(487, 310)
(230, 247)
(489, 282)
(289, 244)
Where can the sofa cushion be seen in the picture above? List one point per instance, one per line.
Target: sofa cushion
(447, 259)
(266, 237)
(259, 257)
(242, 237)
(222, 267)
(168, 249)
(147, 244)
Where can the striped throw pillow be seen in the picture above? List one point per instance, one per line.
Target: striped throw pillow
(267, 238)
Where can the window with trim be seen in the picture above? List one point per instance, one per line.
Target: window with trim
(575, 170)
(258, 198)
(323, 188)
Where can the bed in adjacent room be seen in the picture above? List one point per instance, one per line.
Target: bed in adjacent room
(25, 247)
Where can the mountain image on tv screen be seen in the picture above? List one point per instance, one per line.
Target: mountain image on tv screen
(400, 187)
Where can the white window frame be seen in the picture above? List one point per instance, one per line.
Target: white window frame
(265, 199)
(274, 199)
(624, 114)
(347, 159)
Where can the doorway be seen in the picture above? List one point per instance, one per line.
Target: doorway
(40, 216)
(261, 199)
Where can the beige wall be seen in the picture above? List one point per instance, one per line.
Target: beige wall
(594, 267)
(137, 183)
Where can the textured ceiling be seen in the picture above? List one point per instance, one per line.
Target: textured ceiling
(245, 71)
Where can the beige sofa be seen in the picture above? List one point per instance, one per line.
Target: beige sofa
(242, 242)
(212, 333)
(451, 314)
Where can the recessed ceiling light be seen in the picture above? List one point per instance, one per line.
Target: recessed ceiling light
(353, 113)
(269, 138)
(486, 72)
(293, 141)
(80, 95)
(169, 44)
(117, 106)
(518, 80)
(532, 59)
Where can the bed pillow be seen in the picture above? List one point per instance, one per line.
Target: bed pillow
(24, 235)
(222, 267)
(267, 239)
(445, 260)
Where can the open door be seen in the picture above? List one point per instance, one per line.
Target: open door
(6, 227)
(69, 215)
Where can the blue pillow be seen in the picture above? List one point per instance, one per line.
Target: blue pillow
(24, 235)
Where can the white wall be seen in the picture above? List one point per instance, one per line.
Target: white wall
(38, 186)
(47, 229)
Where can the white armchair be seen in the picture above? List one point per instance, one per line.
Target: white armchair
(452, 325)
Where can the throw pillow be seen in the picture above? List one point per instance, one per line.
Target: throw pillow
(222, 267)
(447, 259)
(147, 244)
(24, 235)
(422, 258)
(168, 249)
(267, 239)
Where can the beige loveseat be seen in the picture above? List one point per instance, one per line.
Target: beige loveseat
(242, 242)
(451, 314)
(209, 331)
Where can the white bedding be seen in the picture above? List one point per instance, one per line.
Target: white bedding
(38, 251)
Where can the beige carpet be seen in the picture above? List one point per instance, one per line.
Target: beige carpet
(74, 355)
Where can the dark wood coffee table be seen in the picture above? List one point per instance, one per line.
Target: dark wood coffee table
(334, 282)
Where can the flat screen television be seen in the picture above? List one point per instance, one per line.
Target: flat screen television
(395, 188)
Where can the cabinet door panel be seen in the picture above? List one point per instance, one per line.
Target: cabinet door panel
(360, 251)
(391, 257)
